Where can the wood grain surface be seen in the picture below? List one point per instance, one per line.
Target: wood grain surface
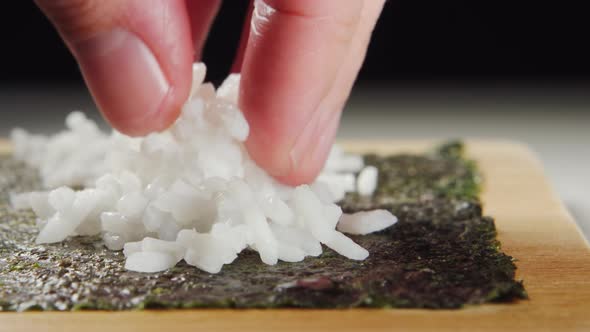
(552, 256)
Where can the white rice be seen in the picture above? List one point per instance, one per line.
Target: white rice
(366, 182)
(366, 222)
(190, 192)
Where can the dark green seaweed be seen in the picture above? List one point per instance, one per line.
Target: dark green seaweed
(441, 254)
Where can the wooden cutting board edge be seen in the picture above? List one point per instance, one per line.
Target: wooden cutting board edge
(552, 256)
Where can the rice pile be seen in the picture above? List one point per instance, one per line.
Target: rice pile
(190, 192)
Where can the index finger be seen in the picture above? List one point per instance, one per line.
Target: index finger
(295, 50)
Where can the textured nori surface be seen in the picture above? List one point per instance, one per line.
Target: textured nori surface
(441, 254)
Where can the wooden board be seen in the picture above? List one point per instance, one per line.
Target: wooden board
(553, 259)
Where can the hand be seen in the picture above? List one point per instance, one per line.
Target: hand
(298, 58)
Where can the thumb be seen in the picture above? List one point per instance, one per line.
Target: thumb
(135, 56)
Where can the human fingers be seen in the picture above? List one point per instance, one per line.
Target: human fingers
(298, 53)
(135, 56)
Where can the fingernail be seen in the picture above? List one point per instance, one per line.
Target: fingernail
(125, 79)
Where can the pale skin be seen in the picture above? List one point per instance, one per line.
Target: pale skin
(298, 60)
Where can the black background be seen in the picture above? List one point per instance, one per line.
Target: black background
(415, 41)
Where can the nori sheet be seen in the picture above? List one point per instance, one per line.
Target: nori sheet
(441, 254)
